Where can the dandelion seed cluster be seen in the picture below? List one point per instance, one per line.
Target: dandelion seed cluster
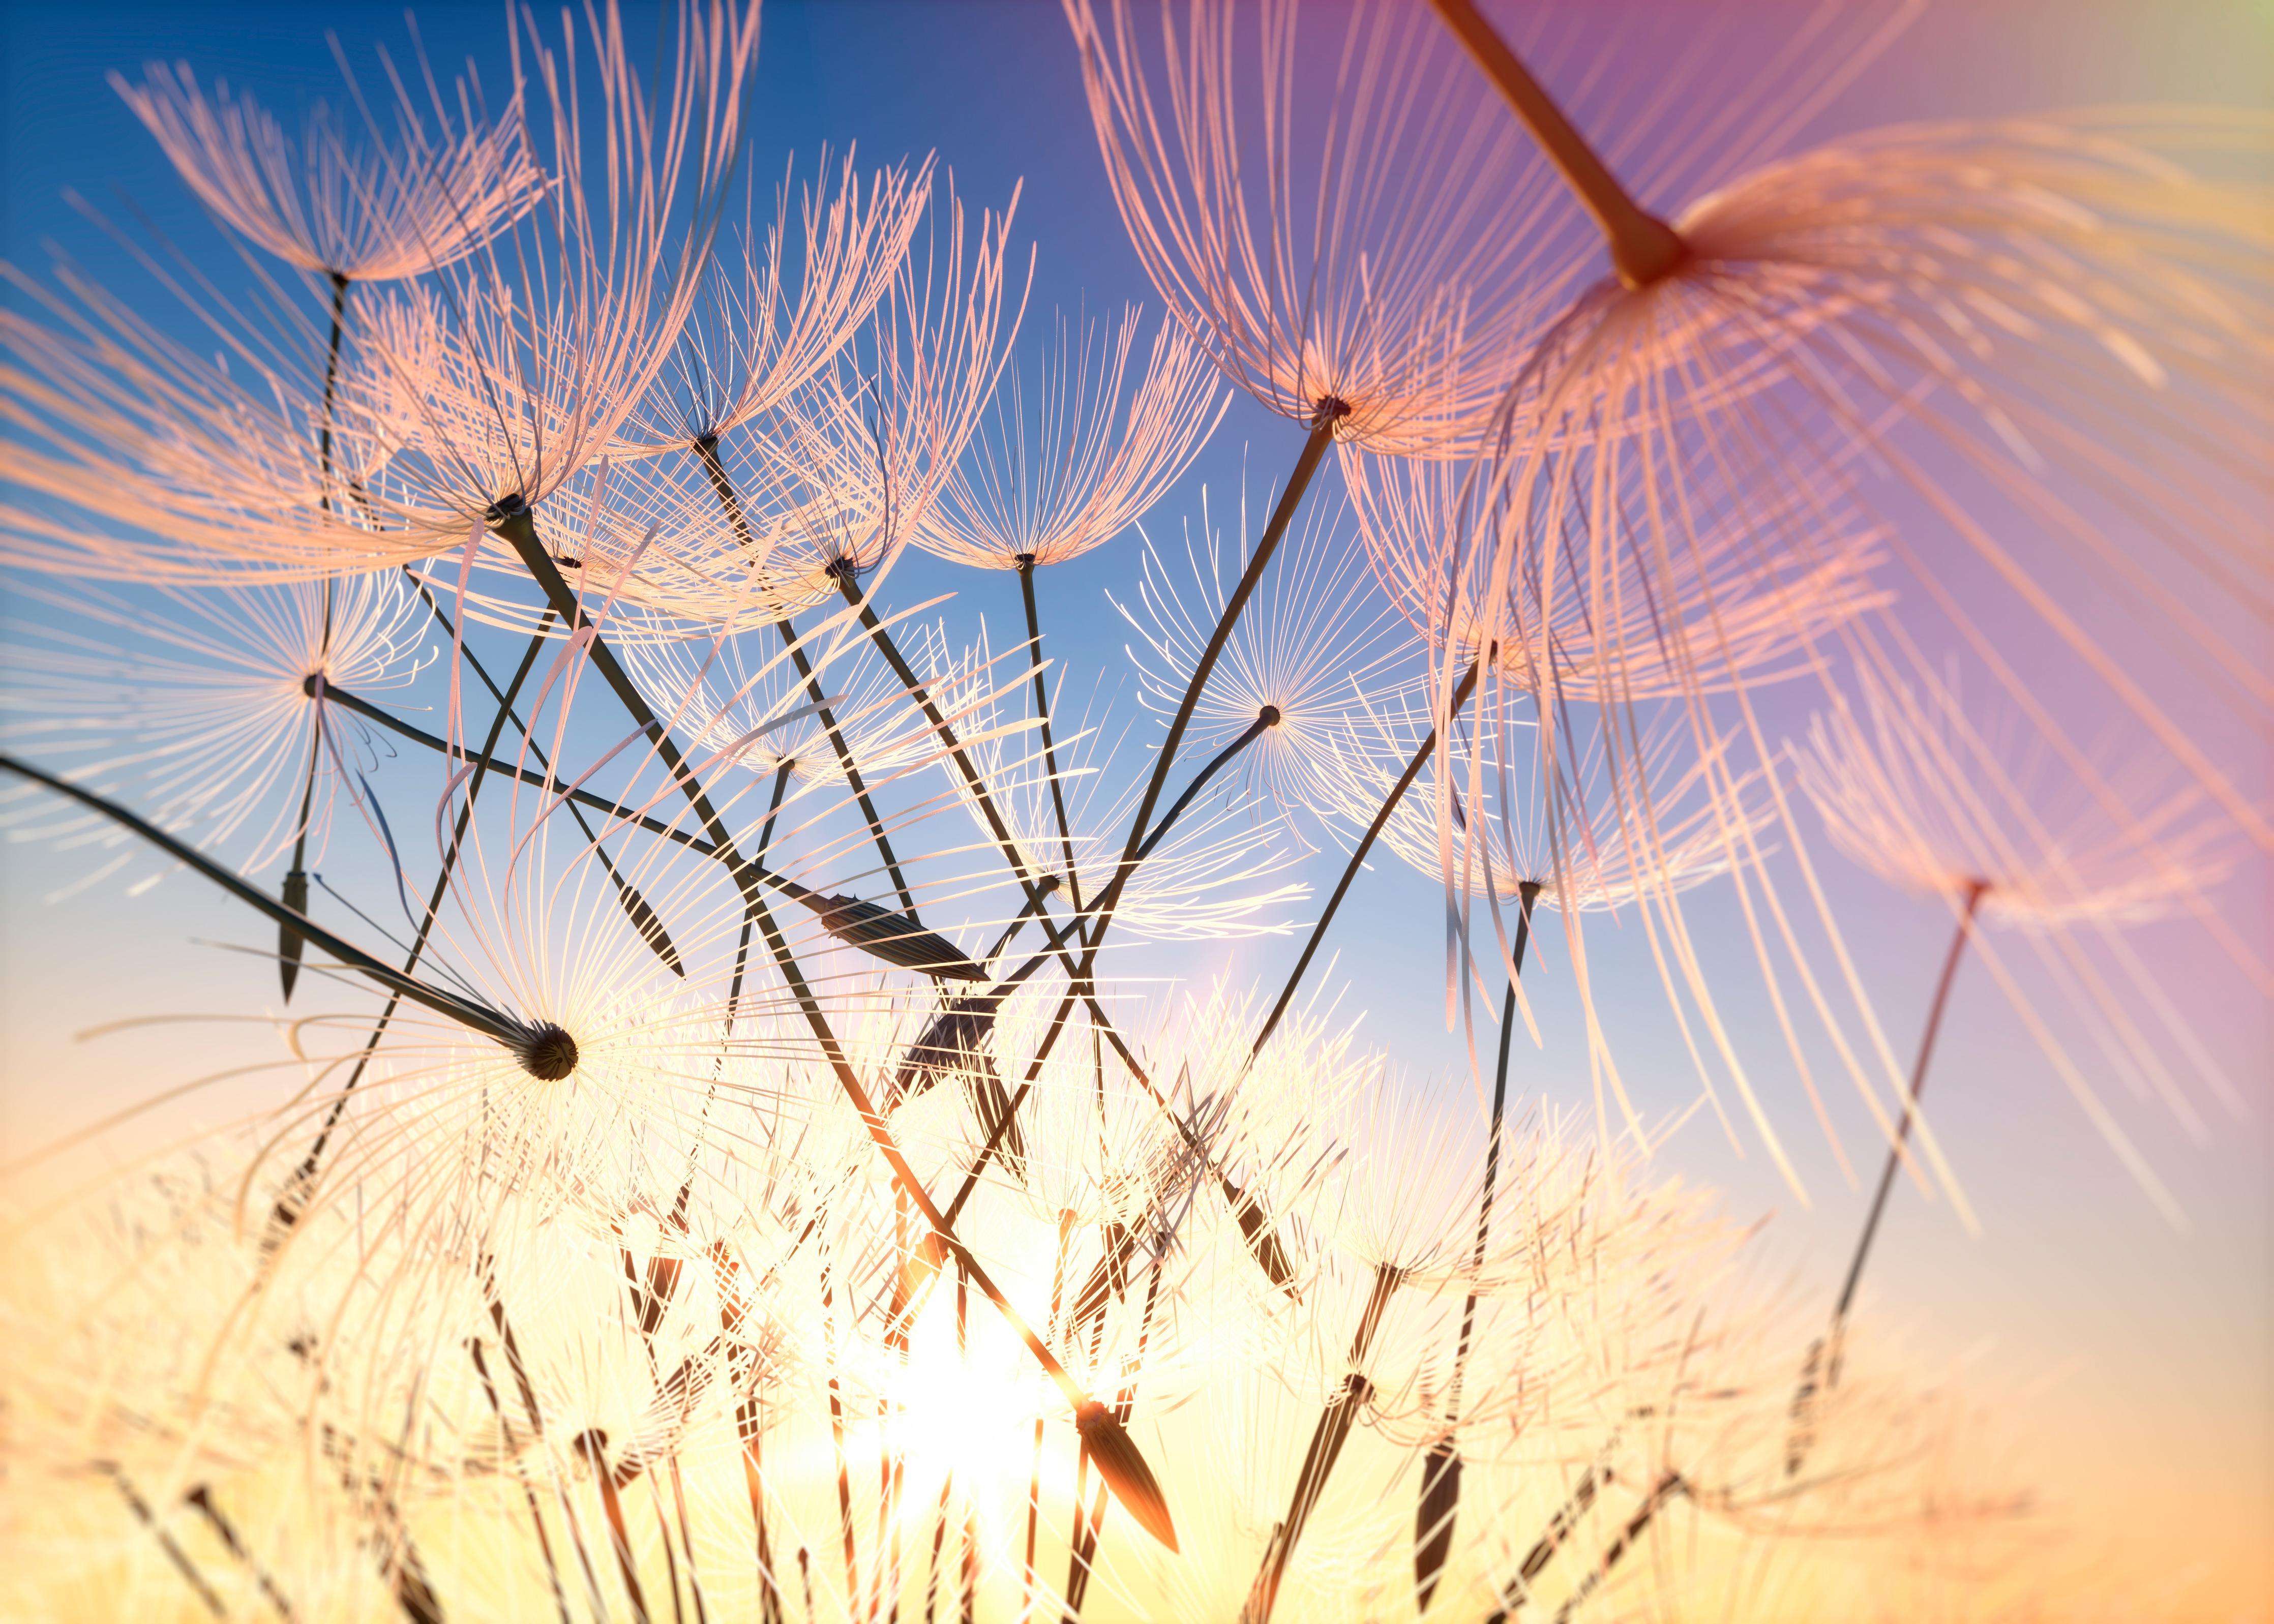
(720, 1169)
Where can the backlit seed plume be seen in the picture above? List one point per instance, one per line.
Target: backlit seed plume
(523, 359)
(496, 377)
(745, 700)
(1615, 811)
(1984, 817)
(1313, 653)
(1912, 789)
(1506, 835)
(1070, 455)
(1745, 597)
(389, 205)
(139, 454)
(829, 482)
(1351, 221)
(196, 707)
(778, 302)
(855, 460)
(2035, 329)
(759, 1132)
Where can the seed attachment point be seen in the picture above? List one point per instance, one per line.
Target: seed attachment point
(548, 1053)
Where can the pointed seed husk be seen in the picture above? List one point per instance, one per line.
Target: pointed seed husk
(893, 937)
(1432, 1522)
(650, 928)
(1125, 1471)
(290, 942)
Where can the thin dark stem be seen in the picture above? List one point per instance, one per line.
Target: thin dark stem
(730, 503)
(1643, 247)
(882, 637)
(479, 1018)
(1441, 1474)
(1664, 1490)
(1330, 412)
(174, 1555)
(1327, 1440)
(331, 384)
(283, 1213)
(288, 942)
(593, 1447)
(1517, 1591)
(849, 768)
(1265, 719)
(513, 1452)
(1048, 884)
(1077, 1585)
(1261, 1241)
(1357, 861)
(1043, 710)
(1527, 893)
(1820, 1372)
(532, 776)
(1910, 1100)
(517, 525)
(773, 809)
(200, 1499)
(1135, 1482)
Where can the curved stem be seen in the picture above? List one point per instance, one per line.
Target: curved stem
(1441, 1474)
(882, 637)
(1330, 412)
(1267, 717)
(296, 879)
(1357, 861)
(487, 763)
(1644, 248)
(849, 768)
(1264, 1244)
(1327, 1440)
(479, 1018)
(1527, 893)
(515, 522)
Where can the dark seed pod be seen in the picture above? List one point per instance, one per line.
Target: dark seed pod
(645, 921)
(951, 1044)
(548, 1053)
(1263, 1240)
(1432, 1522)
(893, 937)
(290, 942)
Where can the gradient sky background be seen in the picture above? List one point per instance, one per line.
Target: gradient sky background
(2138, 1359)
